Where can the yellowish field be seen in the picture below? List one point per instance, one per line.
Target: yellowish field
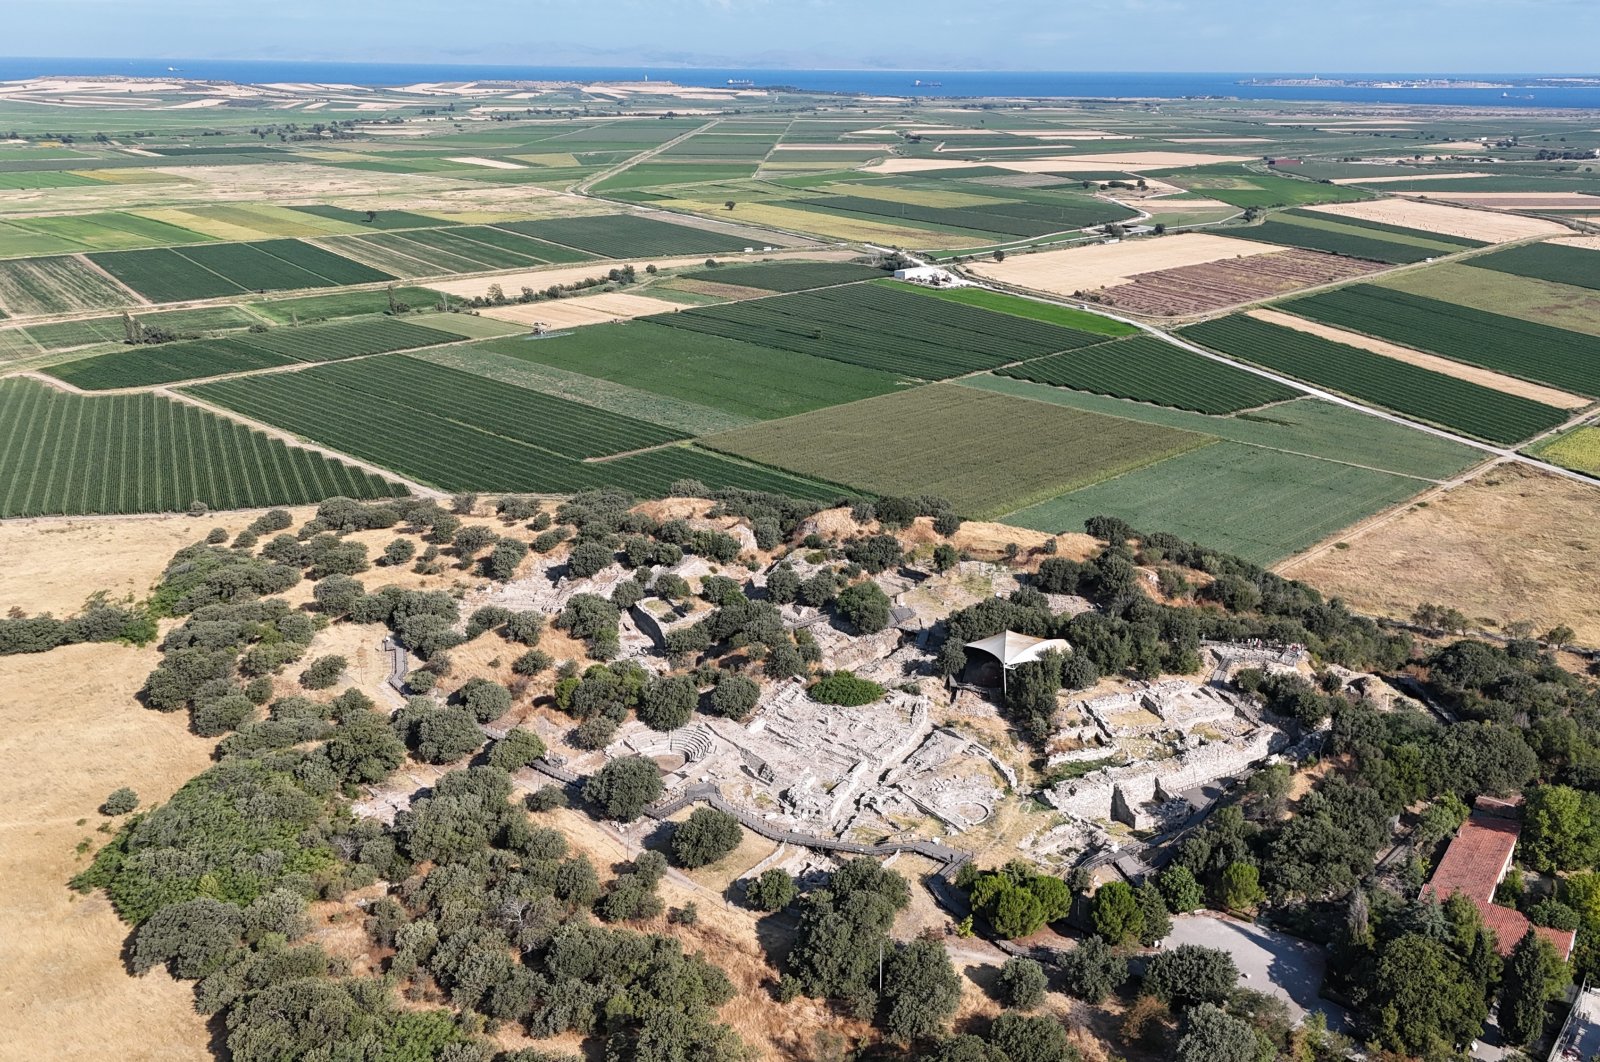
(1515, 200)
(591, 309)
(1106, 264)
(1511, 544)
(1532, 299)
(1510, 385)
(1401, 177)
(1578, 449)
(831, 225)
(540, 279)
(1448, 220)
(914, 196)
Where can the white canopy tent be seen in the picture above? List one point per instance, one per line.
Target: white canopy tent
(1011, 649)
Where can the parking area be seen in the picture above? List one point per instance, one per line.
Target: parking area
(1268, 961)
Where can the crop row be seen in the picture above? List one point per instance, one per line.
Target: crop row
(1511, 345)
(143, 366)
(215, 270)
(1146, 369)
(1546, 261)
(1379, 226)
(455, 455)
(1375, 249)
(788, 276)
(627, 235)
(1396, 385)
(882, 328)
(63, 454)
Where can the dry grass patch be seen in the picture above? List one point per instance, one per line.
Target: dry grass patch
(62, 981)
(1105, 264)
(592, 309)
(1510, 544)
(1446, 220)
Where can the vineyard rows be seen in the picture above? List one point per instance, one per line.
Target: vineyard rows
(1287, 234)
(1146, 369)
(169, 362)
(1396, 385)
(627, 235)
(214, 270)
(1546, 261)
(1527, 349)
(882, 328)
(1006, 218)
(61, 454)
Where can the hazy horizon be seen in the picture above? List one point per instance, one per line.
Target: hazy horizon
(1133, 36)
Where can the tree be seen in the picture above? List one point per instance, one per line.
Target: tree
(1214, 1035)
(624, 786)
(843, 688)
(865, 605)
(588, 558)
(502, 561)
(1017, 913)
(1115, 913)
(735, 696)
(668, 703)
(945, 557)
(1561, 830)
(398, 552)
(486, 701)
(1021, 984)
(705, 837)
(1092, 970)
(1425, 1002)
(1154, 921)
(1190, 974)
(1241, 887)
(1179, 888)
(120, 801)
(773, 890)
(920, 990)
(364, 748)
(447, 734)
(195, 937)
(1534, 975)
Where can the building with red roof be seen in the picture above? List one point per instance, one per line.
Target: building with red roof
(1477, 861)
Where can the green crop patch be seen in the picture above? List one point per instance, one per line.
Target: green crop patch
(145, 365)
(1528, 349)
(1235, 187)
(1005, 217)
(627, 236)
(1563, 264)
(882, 327)
(213, 270)
(658, 471)
(64, 454)
(785, 277)
(1373, 248)
(1578, 449)
(986, 453)
(1147, 369)
(26, 181)
(727, 374)
(1387, 382)
(310, 308)
(1256, 503)
(1048, 312)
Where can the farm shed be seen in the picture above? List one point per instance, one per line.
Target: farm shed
(1008, 649)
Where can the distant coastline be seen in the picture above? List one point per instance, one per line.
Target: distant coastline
(1544, 90)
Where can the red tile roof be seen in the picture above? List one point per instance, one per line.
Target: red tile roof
(1473, 865)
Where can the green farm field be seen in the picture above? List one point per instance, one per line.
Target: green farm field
(64, 335)
(1000, 302)
(1387, 382)
(1559, 263)
(1336, 241)
(883, 327)
(160, 363)
(1260, 504)
(787, 276)
(61, 284)
(628, 236)
(741, 378)
(310, 308)
(1528, 349)
(1264, 190)
(219, 269)
(61, 454)
(1309, 427)
(987, 454)
(1543, 302)
(1147, 369)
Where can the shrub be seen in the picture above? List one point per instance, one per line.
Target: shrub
(323, 672)
(845, 689)
(1190, 974)
(1092, 970)
(875, 554)
(547, 798)
(1021, 984)
(484, 700)
(517, 749)
(531, 663)
(447, 734)
(120, 801)
(705, 837)
(503, 560)
(588, 558)
(668, 703)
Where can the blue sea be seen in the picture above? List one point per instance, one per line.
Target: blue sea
(949, 84)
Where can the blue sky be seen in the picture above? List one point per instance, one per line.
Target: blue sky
(1531, 36)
